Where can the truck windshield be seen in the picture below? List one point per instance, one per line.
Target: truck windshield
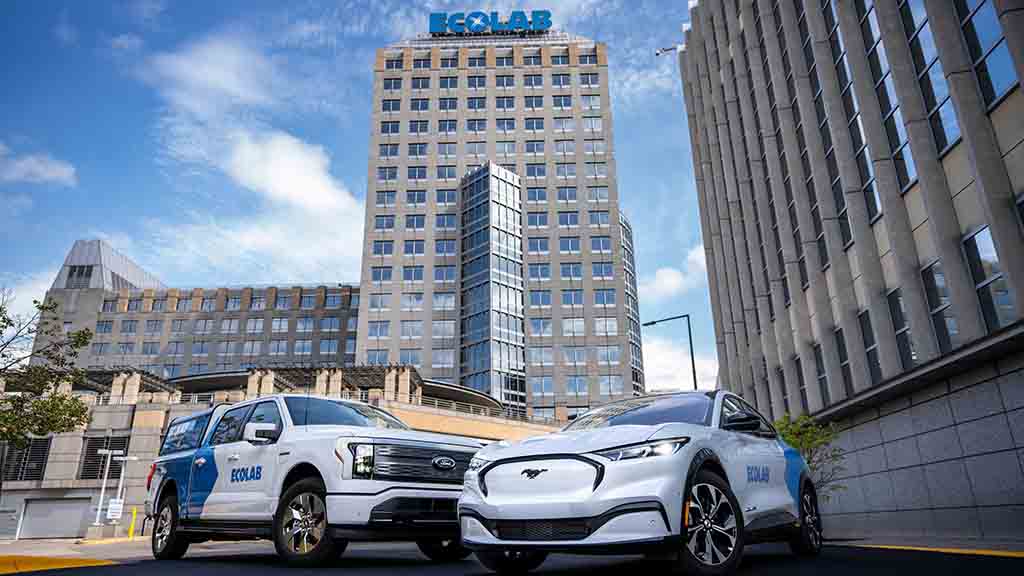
(307, 411)
(692, 408)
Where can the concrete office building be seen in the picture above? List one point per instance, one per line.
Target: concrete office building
(170, 332)
(537, 105)
(859, 167)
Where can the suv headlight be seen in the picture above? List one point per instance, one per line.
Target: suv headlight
(362, 460)
(660, 448)
(476, 463)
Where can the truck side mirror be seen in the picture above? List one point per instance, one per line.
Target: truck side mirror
(259, 432)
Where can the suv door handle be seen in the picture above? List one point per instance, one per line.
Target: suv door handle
(233, 458)
(200, 461)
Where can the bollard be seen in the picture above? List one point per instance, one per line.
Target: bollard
(131, 527)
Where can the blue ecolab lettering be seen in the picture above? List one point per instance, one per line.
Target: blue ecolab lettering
(518, 21)
(541, 20)
(497, 25)
(438, 23)
(457, 22)
(477, 22)
(250, 474)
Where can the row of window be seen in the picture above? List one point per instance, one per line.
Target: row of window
(573, 355)
(575, 385)
(539, 327)
(234, 303)
(228, 325)
(562, 170)
(502, 103)
(503, 148)
(273, 347)
(449, 197)
(479, 125)
(479, 60)
(441, 358)
(479, 81)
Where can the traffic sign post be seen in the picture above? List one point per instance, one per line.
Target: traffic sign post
(103, 486)
(120, 489)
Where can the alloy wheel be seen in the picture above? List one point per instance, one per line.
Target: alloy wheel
(305, 523)
(711, 532)
(163, 527)
(811, 520)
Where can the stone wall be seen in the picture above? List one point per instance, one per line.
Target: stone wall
(946, 461)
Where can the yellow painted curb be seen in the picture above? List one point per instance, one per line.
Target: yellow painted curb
(95, 541)
(964, 551)
(19, 564)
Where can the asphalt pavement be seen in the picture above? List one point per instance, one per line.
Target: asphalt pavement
(255, 559)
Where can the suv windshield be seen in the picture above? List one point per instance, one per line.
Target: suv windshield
(664, 409)
(307, 411)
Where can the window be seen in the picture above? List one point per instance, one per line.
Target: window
(378, 329)
(393, 64)
(449, 82)
(987, 47)
(446, 196)
(134, 304)
(476, 125)
(598, 194)
(537, 195)
(476, 103)
(562, 101)
(412, 329)
(571, 271)
(233, 303)
(303, 347)
(443, 358)
(104, 327)
(412, 301)
(539, 271)
(607, 354)
(386, 198)
(505, 148)
(421, 83)
(594, 147)
(534, 124)
(599, 218)
(444, 301)
(420, 104)
(610, 384)
(533, 80)
(477, 61)
(379, 302)
(412, 273)
(537, 219)
(503, 61)
(415, 221)
(870, 347)
(445, 221)
(592, 124)
(540, 298)
(157, 326)
(110, 305)
(574, 355)
(421, 63)
(540, 327)
(908, 358)
(444, 273)
(229, 428)
(565, 170)
(448, 104)
(203, 326)
(226, 348)
(573, 327)
(444, 247)
(531, 59)
(418, 126)
(476, 148)
(377, 357)
(305, 323)
(540, 385)
(443, 329)
(601, 244)
(533, 102)
(100, 348)
(565, 124)
(597, 170)
(534, 146)
(229, 326)
(447, 127)
(565, 147)
(184, 305)
(606, 326)
(591, 101)
(279, 325)
(589, 79)
(537, 245)
(505, 81)
(569, 245)
(383, 247)
(94, 464)
(390, 127)
(602, 270)
(278, 348)
(283, 302)
(159, 305)
(997, 302)
(387, 173)
(477, 82)
(409, 357)
(506, 124)
(540, 356)
(536, 170)
(150, 348)
(391, 105)
(381, 273)
(392, 84)
(947, 331)
(572, 298)
(178, 326)
(604, 297)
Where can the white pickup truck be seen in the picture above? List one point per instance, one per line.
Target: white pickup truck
(311, 474)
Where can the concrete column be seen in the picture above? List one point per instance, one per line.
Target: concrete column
(375, 396)
(865, 247)
(335, 383)
(320, 385)
(708, 142)
(117, 386)
(132, 383)
(990, 176)
(267, 383)
(221, 396)
(895, 216)
(1011, 16)
(252, 386)
(935, 194)
(3, 385)
(404, 384)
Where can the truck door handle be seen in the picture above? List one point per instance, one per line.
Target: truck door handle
(200, 461)
(233, 458)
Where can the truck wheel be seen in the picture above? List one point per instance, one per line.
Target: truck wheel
(167, 542)
(713, 537)
(511, 561)
(443, 550)
(301, 533)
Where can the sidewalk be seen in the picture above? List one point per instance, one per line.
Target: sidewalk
(1004, 548)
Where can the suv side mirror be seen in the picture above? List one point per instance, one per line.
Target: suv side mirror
(259, 432)
(742, 422)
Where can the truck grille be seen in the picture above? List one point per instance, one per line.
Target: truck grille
(398, 462)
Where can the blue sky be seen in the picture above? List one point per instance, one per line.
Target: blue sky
(206, 139)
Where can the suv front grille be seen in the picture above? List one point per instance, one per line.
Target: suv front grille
(398, 462)
(541, 530)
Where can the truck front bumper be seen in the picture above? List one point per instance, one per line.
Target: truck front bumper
(395, 514)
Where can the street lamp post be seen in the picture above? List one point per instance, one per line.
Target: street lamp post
(103, 487)
(689, 336)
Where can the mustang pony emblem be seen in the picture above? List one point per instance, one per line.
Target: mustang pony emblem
(532, 473)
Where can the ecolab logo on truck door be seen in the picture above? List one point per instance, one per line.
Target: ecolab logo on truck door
(482, 22)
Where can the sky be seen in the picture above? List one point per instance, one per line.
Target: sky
(205, 140)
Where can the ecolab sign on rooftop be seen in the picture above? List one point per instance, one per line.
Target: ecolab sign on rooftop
(483, 23)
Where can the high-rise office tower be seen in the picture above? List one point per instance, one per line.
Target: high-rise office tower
(536, 104)
(860, 170)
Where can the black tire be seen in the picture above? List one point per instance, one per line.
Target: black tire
(339, 548)
(166, 541)
(511, 561)
(302, 534)
(723, 557)
(443, 550)
(806, 541)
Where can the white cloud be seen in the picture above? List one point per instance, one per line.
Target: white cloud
(669, 282)
(35, 169)
(25, 288)
(64, 31)
(667, 366)
(14, 205)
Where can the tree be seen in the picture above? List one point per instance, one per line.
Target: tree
(814, 442)
(36, 357)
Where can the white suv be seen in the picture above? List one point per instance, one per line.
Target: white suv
(310, 473)
(690, 477)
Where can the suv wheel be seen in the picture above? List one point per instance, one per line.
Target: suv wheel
(807, 540)
(511, 561)
(301, 533)
(443, 550)
(713, 541)
(167, 542)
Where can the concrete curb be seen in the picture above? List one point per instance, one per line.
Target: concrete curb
(19, 564)
(96, 541)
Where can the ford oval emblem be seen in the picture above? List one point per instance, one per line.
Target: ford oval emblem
(443, 463)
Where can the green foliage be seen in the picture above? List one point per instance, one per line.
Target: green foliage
(814, 442)
(36, 358)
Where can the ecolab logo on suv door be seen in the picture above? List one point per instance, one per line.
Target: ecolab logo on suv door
(482, 22)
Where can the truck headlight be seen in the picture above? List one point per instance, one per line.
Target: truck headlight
(660, 448)
(476, 463)
(362, 460)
